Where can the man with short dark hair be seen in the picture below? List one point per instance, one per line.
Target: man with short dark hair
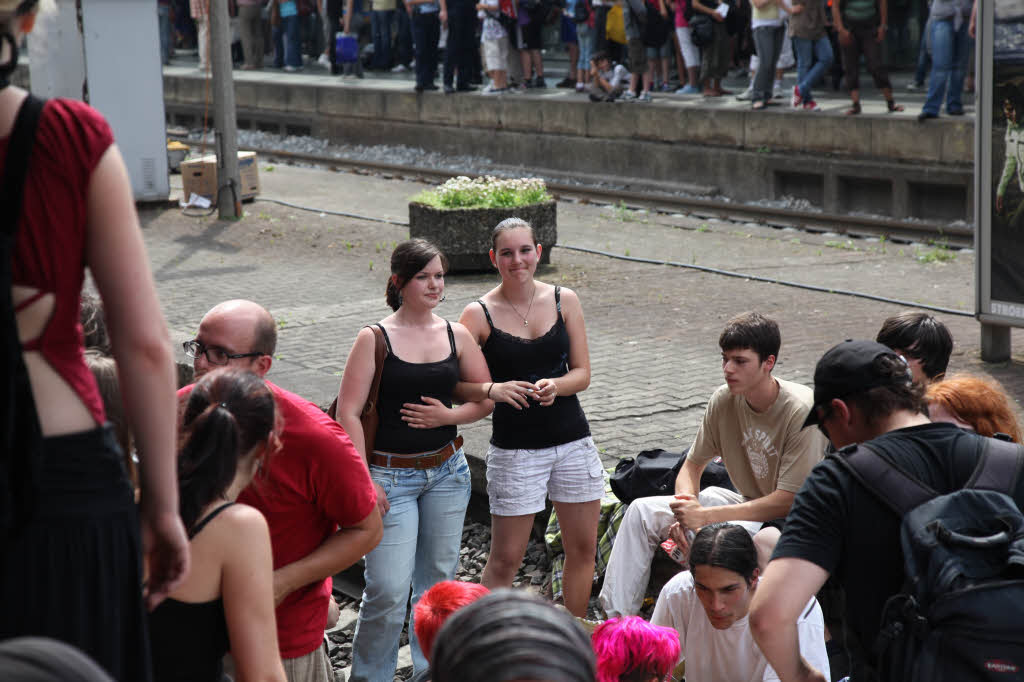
(315, 493)
(924, 342)
(863, 392)
(754, 423)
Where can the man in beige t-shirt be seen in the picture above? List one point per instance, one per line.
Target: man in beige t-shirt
(754, 423)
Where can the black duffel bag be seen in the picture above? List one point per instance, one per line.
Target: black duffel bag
(654, 472)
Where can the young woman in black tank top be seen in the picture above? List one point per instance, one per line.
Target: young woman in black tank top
(535, 343)
(417, 466)
(227, 600)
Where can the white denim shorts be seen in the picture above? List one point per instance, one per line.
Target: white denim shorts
(496, 54)
(518, 480)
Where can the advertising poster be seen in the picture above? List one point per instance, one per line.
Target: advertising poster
(1007, 187)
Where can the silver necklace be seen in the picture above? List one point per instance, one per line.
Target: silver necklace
(526, 321)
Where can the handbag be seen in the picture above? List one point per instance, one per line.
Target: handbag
(369, 417)
(20, 433)
(654, 472)
(702, 30)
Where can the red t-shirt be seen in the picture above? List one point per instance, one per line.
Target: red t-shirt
(316, 483)
(49, 254)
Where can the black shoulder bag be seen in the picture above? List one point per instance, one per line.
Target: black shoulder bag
(19, 422)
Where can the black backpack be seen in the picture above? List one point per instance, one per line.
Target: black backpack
(655, 29)
(581, 12)
(960, 615)
(654, 472)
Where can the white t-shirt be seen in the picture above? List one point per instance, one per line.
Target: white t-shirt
(713, 655)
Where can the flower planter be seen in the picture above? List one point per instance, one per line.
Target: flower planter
(464, 234)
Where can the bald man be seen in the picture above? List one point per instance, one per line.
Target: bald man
(315, 493)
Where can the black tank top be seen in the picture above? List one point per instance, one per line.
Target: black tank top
(405, 382)
(189, 639)
(510, 357)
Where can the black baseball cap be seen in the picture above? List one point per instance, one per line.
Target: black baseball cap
(847, 368)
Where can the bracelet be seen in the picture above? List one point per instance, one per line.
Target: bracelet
(489, 390)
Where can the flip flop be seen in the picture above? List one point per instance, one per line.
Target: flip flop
(893, 106)
(854, 110)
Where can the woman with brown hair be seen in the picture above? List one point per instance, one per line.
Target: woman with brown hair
(417, 464)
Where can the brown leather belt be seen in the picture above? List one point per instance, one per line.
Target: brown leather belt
(422, 460)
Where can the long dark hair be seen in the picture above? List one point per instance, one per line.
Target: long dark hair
(227, 414)
(407, 259)
(725, 545)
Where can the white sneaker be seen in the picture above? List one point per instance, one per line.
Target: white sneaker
(292, 69)
(580, 87)
(324, 61)
(777, 90)
(645, 96)
(628, 96)
(747, 94)
(400, 68)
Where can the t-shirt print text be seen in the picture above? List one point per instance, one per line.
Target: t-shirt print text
(760, 450)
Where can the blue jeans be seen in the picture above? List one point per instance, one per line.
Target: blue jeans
(949, 67)
(420, 547)
(163, 13)
(813, 59)
(287, 42)
(426, 31)
(380, 27)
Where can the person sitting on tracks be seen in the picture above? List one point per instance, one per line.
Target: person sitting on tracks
(315, 493)
(924, 342)
(709, 605)
(755, 423)
(606, 79)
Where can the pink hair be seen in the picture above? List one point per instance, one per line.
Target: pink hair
(631, 648)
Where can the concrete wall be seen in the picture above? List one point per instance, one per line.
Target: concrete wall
(878, 164)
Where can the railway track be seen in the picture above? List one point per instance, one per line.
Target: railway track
(661, 200)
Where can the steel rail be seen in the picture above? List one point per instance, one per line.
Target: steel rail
(815, 221)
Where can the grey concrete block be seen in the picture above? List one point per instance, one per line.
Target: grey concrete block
(342, 101)
(774, 130)
(891, 139)
(401, 105)
(246, 94)
(439, 108)
(522, 114)
(568, 117)
(480, 112)
(721, 127)
(191, 90)
(609, 119)
(957, 141)
(302, 98)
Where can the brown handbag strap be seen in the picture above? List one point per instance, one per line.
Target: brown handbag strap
(380, 352)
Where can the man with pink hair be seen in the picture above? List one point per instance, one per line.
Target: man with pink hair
(630, 649)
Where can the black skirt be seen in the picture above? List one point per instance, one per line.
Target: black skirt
(74, 572)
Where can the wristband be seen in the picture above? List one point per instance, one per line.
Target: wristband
(489, 390)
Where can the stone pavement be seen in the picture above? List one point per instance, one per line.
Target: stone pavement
(653, 329)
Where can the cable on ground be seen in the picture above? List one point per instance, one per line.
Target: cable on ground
(674, 264)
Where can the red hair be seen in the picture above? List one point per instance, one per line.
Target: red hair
(980, 402)
(437, 604)
(630, 649)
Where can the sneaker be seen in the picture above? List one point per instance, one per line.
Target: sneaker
(400, 68)
(645, 96)
(688, 90)
(324, 61)
(796, 100)
(747, 94)
(914, 86)
(566, 83)
(292, 69)
(580, 87)
(628, 96)
(538, 82)
(811, 105)
(777, 90)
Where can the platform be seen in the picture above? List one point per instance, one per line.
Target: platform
(878, 163)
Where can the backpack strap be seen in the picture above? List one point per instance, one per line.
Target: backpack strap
(999, 467)
(891, 485)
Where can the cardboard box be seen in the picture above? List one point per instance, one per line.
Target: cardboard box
(199, 176)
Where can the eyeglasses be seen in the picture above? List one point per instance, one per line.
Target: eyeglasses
(214, 355)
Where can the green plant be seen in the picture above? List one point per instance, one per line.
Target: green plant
(623, 214)
(846, 245)
(939, 253)
(485, 192)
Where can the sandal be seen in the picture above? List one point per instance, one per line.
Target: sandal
(757, 105)
(854, 110)
(891, 103)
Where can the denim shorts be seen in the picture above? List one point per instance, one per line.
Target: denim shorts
(518, 480)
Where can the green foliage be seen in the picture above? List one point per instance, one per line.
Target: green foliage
(485, 192)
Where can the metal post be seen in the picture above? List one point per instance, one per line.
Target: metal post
(229, 204)
(995, 342)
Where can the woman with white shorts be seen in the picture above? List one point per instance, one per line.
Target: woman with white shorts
(533, 337)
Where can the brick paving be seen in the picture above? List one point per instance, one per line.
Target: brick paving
(653, 329)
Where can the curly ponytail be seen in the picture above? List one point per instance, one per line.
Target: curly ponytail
(228, 413)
